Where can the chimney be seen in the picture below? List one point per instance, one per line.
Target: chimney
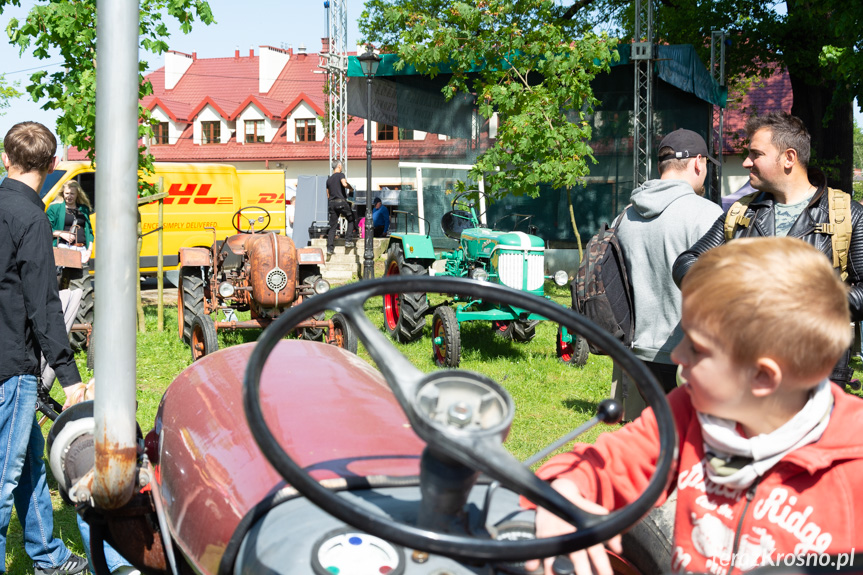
(194, 56)
(325, 45)
(176, 64)
(301, 49)
(251, 52)
(270, 64)
(236, 52)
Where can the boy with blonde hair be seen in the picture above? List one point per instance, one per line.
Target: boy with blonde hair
(768, 446)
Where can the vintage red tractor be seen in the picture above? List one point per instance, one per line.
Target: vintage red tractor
(256, 271)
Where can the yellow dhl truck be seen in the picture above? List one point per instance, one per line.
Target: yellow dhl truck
(199, 196)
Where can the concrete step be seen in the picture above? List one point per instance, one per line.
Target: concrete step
(345, 264)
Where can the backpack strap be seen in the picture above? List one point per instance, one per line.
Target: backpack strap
(736, 215)
(839, 228)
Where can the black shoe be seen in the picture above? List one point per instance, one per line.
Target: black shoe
(330, 251)
(350, 244)
(74, 564)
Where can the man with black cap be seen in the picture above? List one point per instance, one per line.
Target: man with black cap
(793, 200)
(666, 216)
(380, 218)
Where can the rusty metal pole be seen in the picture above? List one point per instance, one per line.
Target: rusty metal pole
(115, 476)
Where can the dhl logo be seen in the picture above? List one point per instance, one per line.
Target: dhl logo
(183, 195)
(266, 198)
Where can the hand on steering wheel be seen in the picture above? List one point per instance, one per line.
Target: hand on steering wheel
(469, 430)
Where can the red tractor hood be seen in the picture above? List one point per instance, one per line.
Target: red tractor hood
(331, 411)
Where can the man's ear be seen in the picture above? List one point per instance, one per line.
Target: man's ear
(789, 158)
(54, 164)
(6, 162)
(768, 376)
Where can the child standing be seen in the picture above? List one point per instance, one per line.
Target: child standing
(769, 448)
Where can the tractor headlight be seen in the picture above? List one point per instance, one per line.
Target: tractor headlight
(561, 278)
(226, 289)
(479, 274)
(322, 286)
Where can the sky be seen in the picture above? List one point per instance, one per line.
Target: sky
(250, 23)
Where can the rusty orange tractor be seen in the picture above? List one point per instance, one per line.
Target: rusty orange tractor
(256, 271)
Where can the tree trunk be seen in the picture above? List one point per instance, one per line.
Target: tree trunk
(832, 145)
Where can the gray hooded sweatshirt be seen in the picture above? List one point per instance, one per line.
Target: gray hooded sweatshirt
(666, 218)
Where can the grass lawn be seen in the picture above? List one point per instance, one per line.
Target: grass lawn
(551, 398)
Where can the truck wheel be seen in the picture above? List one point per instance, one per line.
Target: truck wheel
(524, 330)
(404, 314)
(78, 339)
(344, 336)
(203, 339)
(446, 341)
(573, 352)
(313, 333)
(190, 299)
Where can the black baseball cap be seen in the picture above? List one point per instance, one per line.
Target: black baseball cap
(686, 144)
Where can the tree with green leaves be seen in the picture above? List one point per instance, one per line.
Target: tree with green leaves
(69, 27)
(820, 44)
(7, 92)
(518, 58)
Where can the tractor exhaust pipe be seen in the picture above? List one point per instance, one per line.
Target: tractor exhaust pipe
(115, 477)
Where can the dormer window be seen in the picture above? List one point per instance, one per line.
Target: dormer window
(254, 131)
(387, 132)
(160, 133)
(211, 132)
(306, 130)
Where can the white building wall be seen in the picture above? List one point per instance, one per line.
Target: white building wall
(176, 64)
(271, 62)
(734, 175)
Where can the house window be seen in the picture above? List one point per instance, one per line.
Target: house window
(405, 134)
(387, 132)
(211, 132)
(306, 130)
(160, 133)
(254, 131)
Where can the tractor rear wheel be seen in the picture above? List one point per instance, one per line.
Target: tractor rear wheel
(344, 335)
(524, 330)
(502, 329)
(573, 352)
(190, 304)
(203, 338)
(404, 314)
(78, 339)
(446, 342)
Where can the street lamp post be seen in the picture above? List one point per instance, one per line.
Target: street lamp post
(369, 63)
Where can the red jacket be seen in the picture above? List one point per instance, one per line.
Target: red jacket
(808, 503)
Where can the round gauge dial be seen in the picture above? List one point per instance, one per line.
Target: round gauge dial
(346, 551)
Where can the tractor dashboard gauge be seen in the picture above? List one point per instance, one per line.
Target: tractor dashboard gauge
(346, 551)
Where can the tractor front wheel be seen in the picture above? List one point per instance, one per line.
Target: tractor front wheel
(404, 314)
(203, 337)
(343, 336)
(524, 330)
(446, 342)
(574, 352)
(190, 303)
(313, 333)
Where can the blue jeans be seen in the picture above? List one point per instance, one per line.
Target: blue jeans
(22, 474)
(112, 558)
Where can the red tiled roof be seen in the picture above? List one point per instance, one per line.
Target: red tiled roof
(765, 95)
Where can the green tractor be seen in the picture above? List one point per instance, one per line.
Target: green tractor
(513, 258)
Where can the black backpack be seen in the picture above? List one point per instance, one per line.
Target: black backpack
(601, 290)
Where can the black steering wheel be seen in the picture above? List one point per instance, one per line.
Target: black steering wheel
(263, 217)
(479, 449)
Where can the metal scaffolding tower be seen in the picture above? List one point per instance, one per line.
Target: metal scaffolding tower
(335, 62)
(642, 56)
(717, 72)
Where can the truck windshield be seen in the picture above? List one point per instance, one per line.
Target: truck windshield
(52, 179)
